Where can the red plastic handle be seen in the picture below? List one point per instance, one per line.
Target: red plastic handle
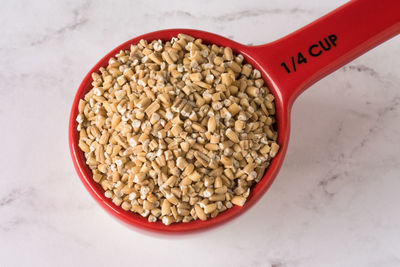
(302, 58)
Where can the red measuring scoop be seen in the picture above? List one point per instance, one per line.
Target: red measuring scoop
(289, 66)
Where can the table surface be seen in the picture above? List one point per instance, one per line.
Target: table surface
(334, 203)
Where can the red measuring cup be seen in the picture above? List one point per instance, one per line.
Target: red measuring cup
(289, 66)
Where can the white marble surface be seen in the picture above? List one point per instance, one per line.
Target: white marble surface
(334, 203)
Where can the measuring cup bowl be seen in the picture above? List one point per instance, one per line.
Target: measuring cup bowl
(134, 219)
(288, 66)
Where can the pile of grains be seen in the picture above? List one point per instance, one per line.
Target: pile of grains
(177, 131)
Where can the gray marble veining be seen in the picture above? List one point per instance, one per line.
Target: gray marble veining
(334, 203)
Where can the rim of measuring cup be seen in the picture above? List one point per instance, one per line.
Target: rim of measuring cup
(136, 220)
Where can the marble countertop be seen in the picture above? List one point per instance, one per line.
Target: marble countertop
(334, 203)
